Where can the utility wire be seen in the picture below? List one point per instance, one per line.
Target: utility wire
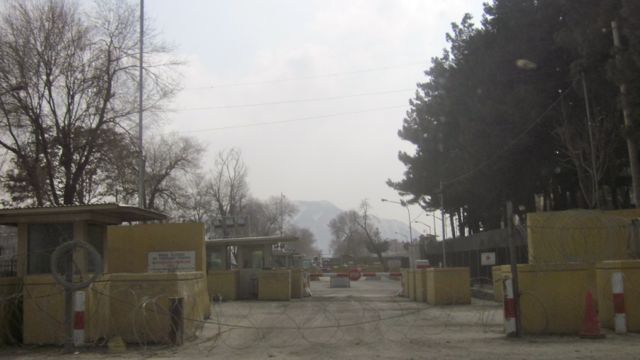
(292, 101)
(335, 74)
(292, 120)
(511, 144)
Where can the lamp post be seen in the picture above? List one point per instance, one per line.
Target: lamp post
(405, 205)
(444, 254)
(427, 225)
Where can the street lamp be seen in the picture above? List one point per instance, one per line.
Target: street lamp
(405, 205)
(428, 226)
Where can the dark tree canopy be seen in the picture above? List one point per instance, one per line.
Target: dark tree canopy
(502, 114)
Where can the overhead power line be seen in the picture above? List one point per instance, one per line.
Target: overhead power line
(307, 118)
(335, 74)
(293, 101)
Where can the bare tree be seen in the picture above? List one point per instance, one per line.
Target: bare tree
(588, 154)
(196, 204)
(306, 241)
(348, 238)
(355, 234)
(228, 187)
(67, 85)
(374, 242)
(269, 217)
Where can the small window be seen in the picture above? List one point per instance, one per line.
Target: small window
(95, 237)
(42, 239)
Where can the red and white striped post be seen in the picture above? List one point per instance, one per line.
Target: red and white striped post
(509, 308)
(78, 318)
(620, 316)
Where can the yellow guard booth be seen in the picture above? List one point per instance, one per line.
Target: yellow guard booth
(131, 299)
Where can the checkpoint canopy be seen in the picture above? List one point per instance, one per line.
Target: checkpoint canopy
(42, 229)
(252, 252)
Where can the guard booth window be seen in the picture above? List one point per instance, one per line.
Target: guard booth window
(95, 238)
(42, 240)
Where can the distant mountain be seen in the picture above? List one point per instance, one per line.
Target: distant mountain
(316, 215)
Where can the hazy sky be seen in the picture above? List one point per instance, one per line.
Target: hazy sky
(312, 92)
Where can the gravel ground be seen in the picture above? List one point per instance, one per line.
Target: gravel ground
(366, 321)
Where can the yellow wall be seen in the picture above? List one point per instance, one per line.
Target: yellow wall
(133, 306)
(274, 285)
(43, 310)
(448, 286)
(421, 285)
(297, 283)
(553, 296)
(411, 284)
(585, 236)
(631, 271)
(127, 246)
(498, 277)
(405, 282)
(223, 284)
(10, 291)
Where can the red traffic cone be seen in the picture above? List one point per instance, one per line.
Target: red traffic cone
(591, 325)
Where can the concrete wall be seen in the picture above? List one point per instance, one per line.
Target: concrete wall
(411, 284)
(297, 283)
(133, 306)
(421, 285)
(139, 304)
(497, 276)
(222, 284)
(404, 282)
(274, 285)
(553, 296)
(448, 286)
(585, 236)
(631, 278)
(43, 310)
(10, 318)
(127, 246)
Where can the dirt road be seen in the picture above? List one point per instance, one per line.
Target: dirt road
(366, 321)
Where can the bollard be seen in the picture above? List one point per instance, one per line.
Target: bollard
(78, 318)
(176, 330)
(619, 317)
(509, 309)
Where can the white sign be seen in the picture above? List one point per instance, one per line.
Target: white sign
(171, 261)
(488, 258)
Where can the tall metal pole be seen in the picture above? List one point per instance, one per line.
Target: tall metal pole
(141, 195)
(632, 149)
(444, 252)
(593, 153)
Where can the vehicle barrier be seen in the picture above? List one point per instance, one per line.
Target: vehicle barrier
(620, 316)
(509, 308)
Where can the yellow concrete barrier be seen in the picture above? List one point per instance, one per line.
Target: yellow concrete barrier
(297, 283)
(577, 236)
(497, 276)
(448, 286)
(631, 278)
(404, 282)
(274, 285)
(133, 306)
(411, 283)
(421, 285)
(222, 284)
(10, 318)
(553, 296)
